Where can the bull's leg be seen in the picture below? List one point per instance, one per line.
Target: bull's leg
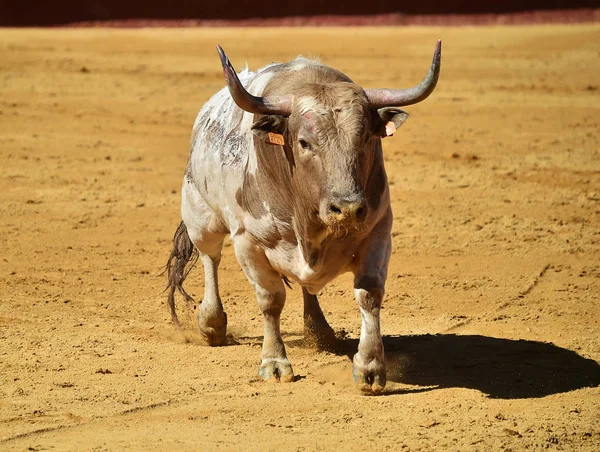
(368, 365)
(270, 293)
(207, 234)
(317, 331)
(274, 362)
(212, 320)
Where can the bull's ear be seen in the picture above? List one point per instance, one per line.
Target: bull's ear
(271, 129)
(389, 119)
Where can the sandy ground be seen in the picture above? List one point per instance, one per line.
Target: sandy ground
(491, 319)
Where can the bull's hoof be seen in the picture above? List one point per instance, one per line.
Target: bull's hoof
(213, 330)
(276, 369)
(370, 378)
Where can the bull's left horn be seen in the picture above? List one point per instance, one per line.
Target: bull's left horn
(379, 97)
(275, 105)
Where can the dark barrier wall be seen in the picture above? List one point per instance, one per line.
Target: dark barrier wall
(48, 12)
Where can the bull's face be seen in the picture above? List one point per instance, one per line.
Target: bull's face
(334, 138)
(331, 131)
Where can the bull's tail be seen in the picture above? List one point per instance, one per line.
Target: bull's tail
(181, 261)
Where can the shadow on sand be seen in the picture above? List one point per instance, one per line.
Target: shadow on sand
(500, 368)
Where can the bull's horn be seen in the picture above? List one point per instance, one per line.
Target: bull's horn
(276, 105)
(380, 97)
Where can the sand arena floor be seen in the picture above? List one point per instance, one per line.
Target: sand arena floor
(491, 319)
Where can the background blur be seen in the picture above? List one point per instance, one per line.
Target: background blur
(61, 12)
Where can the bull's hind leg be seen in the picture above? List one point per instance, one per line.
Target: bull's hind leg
(207, 233)
(317, 332)
(212, 319)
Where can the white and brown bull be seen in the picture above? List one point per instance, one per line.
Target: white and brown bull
(288, 162)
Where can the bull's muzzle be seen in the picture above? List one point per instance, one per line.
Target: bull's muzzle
(346, 210)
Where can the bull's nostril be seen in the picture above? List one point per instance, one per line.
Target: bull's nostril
(335, 209)
(360, 212)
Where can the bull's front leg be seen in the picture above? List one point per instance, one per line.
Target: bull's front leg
(274, 362)
(369, 365)
(270, 294)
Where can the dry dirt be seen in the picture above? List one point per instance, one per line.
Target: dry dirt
(491, 319)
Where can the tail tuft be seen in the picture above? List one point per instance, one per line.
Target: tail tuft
(181, 261)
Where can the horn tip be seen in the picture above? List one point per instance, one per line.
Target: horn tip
(222, 55)
(227, 67)
(437, 55)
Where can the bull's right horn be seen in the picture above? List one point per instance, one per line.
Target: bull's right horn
(276, 105)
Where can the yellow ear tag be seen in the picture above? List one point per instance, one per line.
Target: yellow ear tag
(390, 129)
(275, 138)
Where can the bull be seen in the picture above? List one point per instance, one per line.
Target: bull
(288, 162)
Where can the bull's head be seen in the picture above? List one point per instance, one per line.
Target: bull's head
(333, 128)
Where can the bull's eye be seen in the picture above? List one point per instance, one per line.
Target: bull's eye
(304, 145)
